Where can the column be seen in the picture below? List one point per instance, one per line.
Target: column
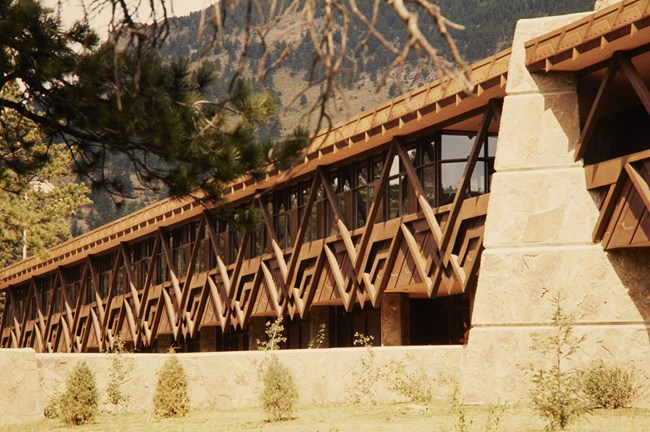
(207, 339)
(256, 331)
(164, 342)
(395, 319)
(319, 317)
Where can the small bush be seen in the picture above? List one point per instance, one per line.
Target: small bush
(117, 373)
(78, 404)
(609, 386)
(365, 375)
(51, 410)
(170, 398)
(280, 393)
(556, 394)
(414, 386)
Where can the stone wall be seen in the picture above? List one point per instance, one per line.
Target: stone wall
(20, 389)
(538, 243)
(216, 380)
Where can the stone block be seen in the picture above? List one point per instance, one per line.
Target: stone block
(538, 131)
(499, 361)
(522, 81)
(516, 286)
(539, 207)
(395, 319)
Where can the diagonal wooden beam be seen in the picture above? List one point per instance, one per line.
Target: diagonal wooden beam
(607, 208)
(41, 326)
(130, 278)
(109, 299)
(459, 197)
(635, 79)
(277, 251)
(420, 263)
(596, 109)
(412, 177)
(272, 290)
(339, 280)
(184, 314)
(640, 184)
(302, 230)
(24, 319)
(172, 269)
(343, 230)
(219, 303)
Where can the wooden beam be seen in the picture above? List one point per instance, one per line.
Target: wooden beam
(596, 109)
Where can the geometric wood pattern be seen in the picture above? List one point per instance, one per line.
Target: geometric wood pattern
(623, 187)
(429, 253)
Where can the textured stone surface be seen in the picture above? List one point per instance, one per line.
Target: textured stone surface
(517, 285)
(534, 207)
(541, 131)
(229, 379)
(499, 361)
(538, 242)
(19, 386)
(602, 4)
(519, 79)
(395, 319)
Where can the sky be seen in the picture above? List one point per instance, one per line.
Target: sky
(73, 10)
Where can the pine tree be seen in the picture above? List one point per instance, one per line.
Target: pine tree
(37, 193)
(100, 101)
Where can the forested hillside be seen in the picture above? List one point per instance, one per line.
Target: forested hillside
(489, 26)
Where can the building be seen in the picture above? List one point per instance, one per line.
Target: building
(439, 212)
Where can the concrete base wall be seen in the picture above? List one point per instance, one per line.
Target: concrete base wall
(216, 380)
(20, 389)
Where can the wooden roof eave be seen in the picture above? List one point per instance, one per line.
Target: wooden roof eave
(424, 107)
(624, 26)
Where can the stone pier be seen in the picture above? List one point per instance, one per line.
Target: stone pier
(538, 242)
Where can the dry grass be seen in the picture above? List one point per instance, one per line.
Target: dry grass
(347, 418)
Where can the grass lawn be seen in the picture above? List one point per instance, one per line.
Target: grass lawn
(349, 418)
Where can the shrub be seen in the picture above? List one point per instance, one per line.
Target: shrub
(609, 386)
(117, 373)
(414, 386)
(170, 398)
(556, 394)
(365, 375)
(319, 340)
(51, 410)
(78, 403)
(280, 393)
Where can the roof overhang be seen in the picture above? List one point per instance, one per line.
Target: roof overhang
(433, 104)
(622, 27)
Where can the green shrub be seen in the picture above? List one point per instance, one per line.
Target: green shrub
(117, 374)
(280, 393)
(556, 393)
(414, 386)
(609, 386)
(366, 374)
(51, 410)
(78, 403)
(170, 398)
